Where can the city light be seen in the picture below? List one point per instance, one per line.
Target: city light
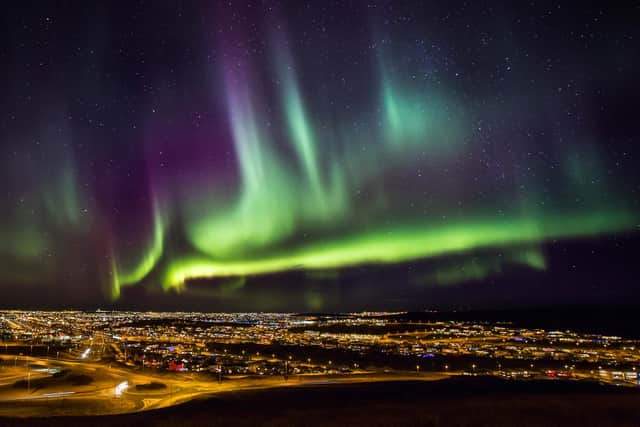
(239, 348)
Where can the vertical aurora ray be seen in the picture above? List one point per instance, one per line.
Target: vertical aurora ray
(323, 192)
(405, 119)
(115, 287)
(300, 130)
(144, 264)
(416, 115)
(257, 217)
(301, 133)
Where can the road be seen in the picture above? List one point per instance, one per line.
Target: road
(99, 397)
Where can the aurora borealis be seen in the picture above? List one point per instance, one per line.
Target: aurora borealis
(149, 146)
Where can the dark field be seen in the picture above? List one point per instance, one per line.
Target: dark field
(456, 402)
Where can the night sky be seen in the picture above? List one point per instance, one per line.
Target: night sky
(318, 155)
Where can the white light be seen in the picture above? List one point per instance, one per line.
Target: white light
(121, 387)
(85, 354)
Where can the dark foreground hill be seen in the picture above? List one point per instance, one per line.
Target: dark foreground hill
(457, 402)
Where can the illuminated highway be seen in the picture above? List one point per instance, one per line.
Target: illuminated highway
(114, 388)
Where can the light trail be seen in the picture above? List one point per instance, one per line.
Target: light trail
(120, 388)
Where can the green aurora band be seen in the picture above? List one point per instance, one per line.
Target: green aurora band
(121, 276)
(405, 244)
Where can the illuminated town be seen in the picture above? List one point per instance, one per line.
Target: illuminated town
(149, 360)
